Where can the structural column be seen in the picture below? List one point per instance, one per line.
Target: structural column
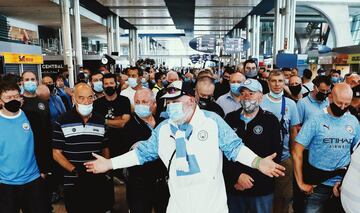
(117, 35)
(292, 26)
(133, 46)
(77, 35)
(66, 35)
(248, 36)
(110, 34)
(276, 28)
(257, 41)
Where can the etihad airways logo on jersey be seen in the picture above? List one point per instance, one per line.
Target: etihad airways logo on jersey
(338, 143)
(338, 140)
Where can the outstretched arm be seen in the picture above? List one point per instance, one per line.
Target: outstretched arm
(145, 151)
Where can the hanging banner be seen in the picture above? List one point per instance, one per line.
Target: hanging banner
(206, 43)
(18, 58)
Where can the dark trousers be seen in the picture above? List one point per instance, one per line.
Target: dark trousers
(92, 194)
(143, 197)
(30, 198)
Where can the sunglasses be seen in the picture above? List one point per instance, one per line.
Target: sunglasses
(172, 90)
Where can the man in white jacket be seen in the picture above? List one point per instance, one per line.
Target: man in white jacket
(190, 143)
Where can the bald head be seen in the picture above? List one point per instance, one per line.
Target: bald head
(172, 76)
(43, 92)
(83, 94)
(341, 95)
(47, 80)
(144, 94)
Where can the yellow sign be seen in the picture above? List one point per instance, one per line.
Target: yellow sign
(354, 59)
(18, 58)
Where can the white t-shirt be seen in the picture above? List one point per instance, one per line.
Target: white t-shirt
(309, 85)
(129, 93)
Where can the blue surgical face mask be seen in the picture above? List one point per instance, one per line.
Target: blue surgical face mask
(276, 95)
(142, 111)
(176, 113)
(234, 88)
(164, 82)
(132, 82)
(84, 110)
(30, 86)
(334, 80)
(98, 86)
(143, 80)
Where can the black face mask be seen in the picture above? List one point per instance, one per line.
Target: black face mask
(51, 87)
(109, 91)
(295, 90)
(12, 106)
(204, 101)
(321, 96)
(337, 111)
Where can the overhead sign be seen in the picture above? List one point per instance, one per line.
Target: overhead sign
(18, 58)
(233, 45)
(52, 67)
(206, 43)
(354, 59)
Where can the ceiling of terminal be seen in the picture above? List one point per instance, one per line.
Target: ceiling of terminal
(209, 16)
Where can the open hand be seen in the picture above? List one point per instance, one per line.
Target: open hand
(100, 165)
(268, 167)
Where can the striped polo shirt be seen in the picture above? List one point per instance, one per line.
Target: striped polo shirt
(78, 140)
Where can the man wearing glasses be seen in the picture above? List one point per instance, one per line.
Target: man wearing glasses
(190, 143)
(76, 134)
(20, 184)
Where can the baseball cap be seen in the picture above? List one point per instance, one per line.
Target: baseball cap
(251, 84)
(175, 90)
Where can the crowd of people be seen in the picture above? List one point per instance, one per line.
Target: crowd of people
(236, 140)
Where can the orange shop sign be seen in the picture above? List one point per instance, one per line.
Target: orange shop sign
(341, 59)
(18, 58)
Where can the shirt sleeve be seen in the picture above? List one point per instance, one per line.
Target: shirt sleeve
(126, 106)
(307, 132)
(58, 141)
(300, 110)
(356, 138)
(231, 145)
(294, 115)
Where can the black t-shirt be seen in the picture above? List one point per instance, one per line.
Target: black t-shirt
(110, 110)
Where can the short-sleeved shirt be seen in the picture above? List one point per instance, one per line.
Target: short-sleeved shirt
(329, 140)
(228, 103)
(109, 110)
(78, 140)
(129, 93)
(17, 158)
(309, 107)
(291, 118)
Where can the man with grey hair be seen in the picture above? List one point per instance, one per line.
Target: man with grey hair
(144, 180)
(190, 143)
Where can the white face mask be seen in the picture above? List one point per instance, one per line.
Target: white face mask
(84, 110)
